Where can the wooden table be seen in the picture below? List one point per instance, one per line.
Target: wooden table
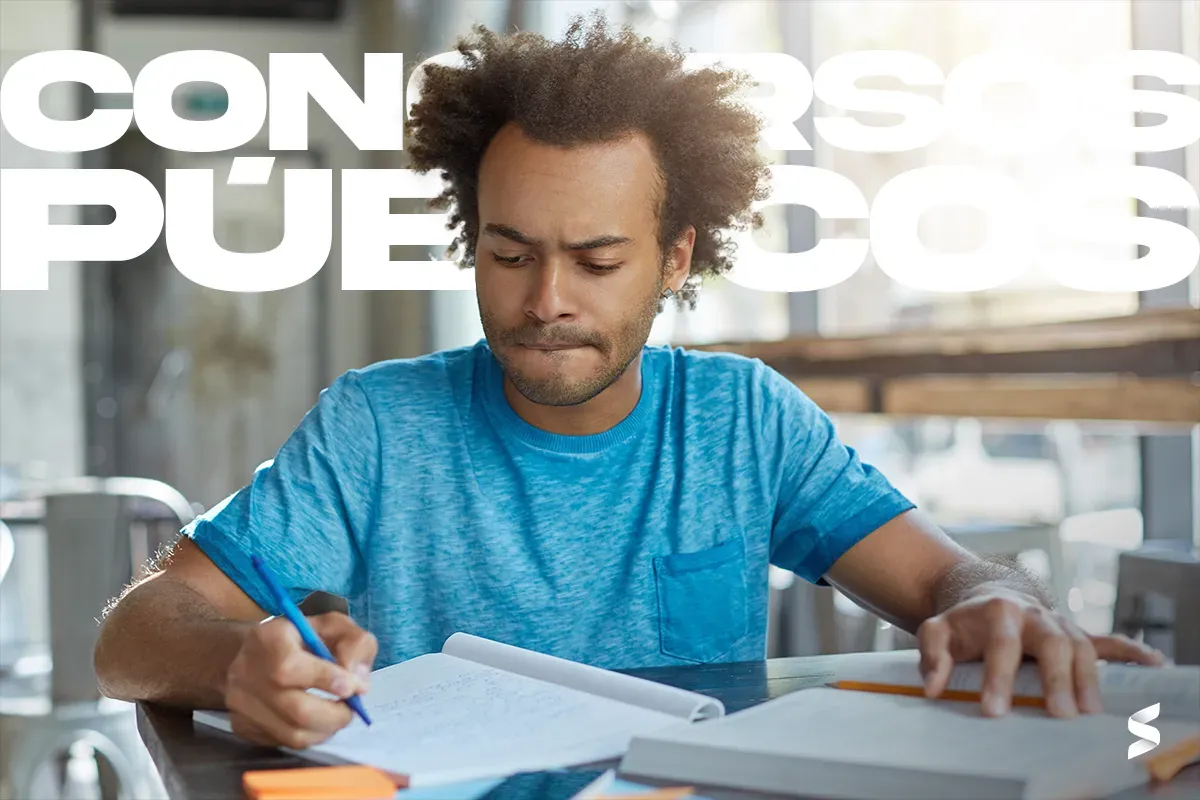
(201, 764)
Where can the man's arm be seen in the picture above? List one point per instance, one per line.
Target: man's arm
(193, 634)
(188, 636)
(927, 573)
(964, 608)
(840, 519)
(171, 637)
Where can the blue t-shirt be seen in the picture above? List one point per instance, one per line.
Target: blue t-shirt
(413, 490)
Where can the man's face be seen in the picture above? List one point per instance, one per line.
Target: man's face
(568, 264)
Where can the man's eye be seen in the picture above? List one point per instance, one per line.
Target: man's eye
(507, 259)
(600, 268)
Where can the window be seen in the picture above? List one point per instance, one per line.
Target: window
(1084, 477)
(947, 33)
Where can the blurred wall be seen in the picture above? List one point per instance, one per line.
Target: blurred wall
(135, 41)
(209, 384)
(41, 387)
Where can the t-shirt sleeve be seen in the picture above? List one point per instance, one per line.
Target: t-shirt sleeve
(828, 500)
(307, 513)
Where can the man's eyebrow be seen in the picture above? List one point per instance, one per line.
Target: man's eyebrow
(607, 240)
(508, 232)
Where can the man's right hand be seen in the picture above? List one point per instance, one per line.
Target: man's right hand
(266, 689)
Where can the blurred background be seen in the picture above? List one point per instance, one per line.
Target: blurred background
(131, 398)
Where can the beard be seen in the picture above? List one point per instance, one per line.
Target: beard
(617, 351)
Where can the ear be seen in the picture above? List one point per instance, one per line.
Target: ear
(679, 260)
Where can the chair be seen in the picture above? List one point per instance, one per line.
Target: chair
(1168, 569)
(13, 615)
(62, 737)
(7, 547)
(801, 618)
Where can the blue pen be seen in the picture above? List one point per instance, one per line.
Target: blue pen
(311, 640)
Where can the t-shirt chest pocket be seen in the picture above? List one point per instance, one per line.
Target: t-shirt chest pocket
(702, 603)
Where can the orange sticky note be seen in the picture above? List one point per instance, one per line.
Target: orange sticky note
(351, 782)
(1165, 765)
(668, 793)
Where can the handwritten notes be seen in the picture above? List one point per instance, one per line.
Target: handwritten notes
(442, 719)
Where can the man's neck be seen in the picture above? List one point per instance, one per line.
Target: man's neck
(603, 412)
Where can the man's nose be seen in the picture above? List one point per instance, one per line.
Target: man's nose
(548, 301)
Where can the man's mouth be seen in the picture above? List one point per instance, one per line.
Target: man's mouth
(552, 346)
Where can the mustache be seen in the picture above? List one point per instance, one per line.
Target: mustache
(561, 334)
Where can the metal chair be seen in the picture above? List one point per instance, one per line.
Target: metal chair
(62, 737)
(1164, 569)
(13, 623)
(7, 547)
(801, 618)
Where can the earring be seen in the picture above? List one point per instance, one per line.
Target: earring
(668, 294)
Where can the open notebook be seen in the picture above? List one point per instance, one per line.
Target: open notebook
(886, 743)
(480, 709)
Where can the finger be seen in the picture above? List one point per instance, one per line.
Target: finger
(356, 652)
(1087, 675)
(257, 713)
(250, 717)
(276, 639)
(1048, 642)
(1122, 648)
(933, 639)
(247, 729)
(1001, 656)
(349, 643)
(333, 626)
(303, 670)
(317, 717)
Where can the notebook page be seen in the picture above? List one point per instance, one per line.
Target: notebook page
(912, 734)
(1124, 688)
(593, 680)
(440, 719)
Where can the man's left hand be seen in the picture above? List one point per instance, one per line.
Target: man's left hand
(1001, 627)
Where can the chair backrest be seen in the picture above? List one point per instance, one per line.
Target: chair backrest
(135, 489)
(7, 549)
(88, 524)
(14, 616)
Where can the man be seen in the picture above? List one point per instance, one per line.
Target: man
(563, 487)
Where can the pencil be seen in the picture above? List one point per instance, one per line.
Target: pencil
(918, 691)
